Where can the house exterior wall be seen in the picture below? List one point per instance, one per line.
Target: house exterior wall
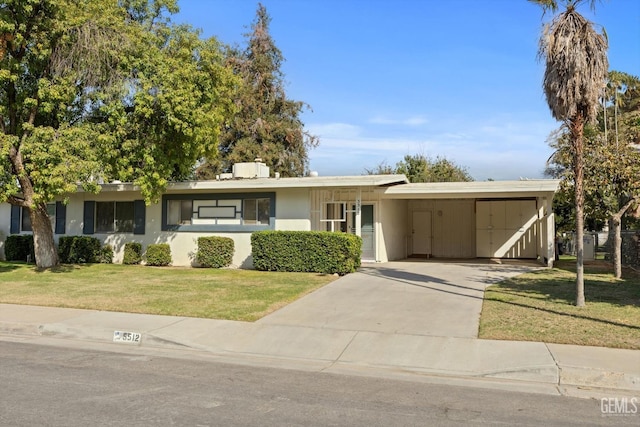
(393, 230)
(291, 213)
(350, 197)
(452, 227)
(219, 209)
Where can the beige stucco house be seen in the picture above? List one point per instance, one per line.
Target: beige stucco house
(396, 219)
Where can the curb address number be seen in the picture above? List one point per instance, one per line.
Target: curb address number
(128, 337)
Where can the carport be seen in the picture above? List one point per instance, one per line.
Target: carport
(486, 219)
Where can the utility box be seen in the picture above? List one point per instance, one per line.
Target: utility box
(589, 248)
(250, 170)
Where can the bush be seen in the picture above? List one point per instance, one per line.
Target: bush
(106, 255)
(158, 255)
(306, 251)
(18, 247)
(79, 249)
(214, 251)
(132, 253)
(64, 248)
(84, 250)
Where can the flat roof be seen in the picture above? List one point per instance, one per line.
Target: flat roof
(390, 186)
(274, 183)
(473, 190)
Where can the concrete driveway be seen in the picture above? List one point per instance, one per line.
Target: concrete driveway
(418, 297)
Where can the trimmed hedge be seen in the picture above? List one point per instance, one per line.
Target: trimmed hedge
(79, 249)
(106, 255)
(306, 251)
(158, 255)
(64, 248)
(215, 251)
(18, 247)
(132, 253)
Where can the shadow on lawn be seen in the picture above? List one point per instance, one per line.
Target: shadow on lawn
(7, 267)
(621, 293)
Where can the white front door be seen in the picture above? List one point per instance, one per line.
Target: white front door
(421, 233)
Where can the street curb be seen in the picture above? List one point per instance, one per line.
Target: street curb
(569, 380)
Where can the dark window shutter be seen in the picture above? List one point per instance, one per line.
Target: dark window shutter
(139, 216)
(89, 217)
(15, 219)
(61, 218)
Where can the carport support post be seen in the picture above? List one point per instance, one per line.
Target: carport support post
(358, 223)
(548, 235)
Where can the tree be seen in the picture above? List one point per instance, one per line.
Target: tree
(420, 168)
(612, 160)
(101, 90)
(268, 124)
(623, 160)
(576, 66)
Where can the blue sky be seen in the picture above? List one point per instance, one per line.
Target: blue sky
(385, 78)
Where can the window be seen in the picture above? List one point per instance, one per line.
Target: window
(25, 223)
(256, 211)
(335, 216)
(336, 212)
(25, 220)
(114, 217)
(179, 212)
(218, 212)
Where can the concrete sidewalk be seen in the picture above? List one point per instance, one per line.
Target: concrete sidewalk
(525, 366)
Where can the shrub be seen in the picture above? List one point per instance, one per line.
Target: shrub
(214, 251)
(158, 254)
(64, 248)
(306, 251)
(132, 253)
(84, 249)
(79, 249)
(106, 255)
(18, 247)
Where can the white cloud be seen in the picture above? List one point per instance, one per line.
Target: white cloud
(506, 150)
(334, 130)
(409, 121)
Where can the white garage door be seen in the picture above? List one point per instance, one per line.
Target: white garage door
(506, 229)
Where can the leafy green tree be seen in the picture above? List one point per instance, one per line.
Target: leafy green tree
(268, 124)
(101, 90)
(420, 168)
(612, 159)
(576, 65)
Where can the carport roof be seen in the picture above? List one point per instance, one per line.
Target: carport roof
(474, 190)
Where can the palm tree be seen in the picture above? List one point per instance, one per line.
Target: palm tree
(576, 63)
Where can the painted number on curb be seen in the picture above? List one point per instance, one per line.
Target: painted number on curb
(127, 337)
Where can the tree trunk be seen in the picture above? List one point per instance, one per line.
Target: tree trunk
(576, 128)
(616, 224)
(44, 244)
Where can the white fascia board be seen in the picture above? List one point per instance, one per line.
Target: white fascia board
(473, 190)
(270, 183)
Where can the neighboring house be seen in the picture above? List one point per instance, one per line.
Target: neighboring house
(396, 220)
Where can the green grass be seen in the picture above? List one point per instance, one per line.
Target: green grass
(193, 292)
(539, 306)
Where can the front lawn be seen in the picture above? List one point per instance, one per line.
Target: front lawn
(193, 292)
(539, 306)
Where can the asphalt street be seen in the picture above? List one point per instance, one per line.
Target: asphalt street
(73, 386)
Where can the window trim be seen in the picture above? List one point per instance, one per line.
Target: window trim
(219, 227)
(114, 230)
(24, 213)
